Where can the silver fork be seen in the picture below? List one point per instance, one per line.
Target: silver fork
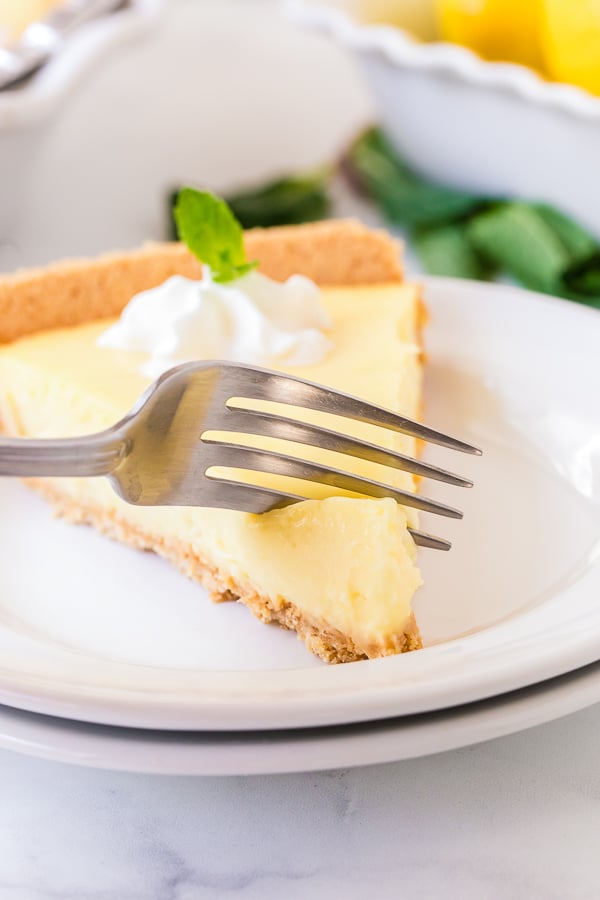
(160, 453)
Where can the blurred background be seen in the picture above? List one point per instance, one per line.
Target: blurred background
(471, 127)
(222, 93)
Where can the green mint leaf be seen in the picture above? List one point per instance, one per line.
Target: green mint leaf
(209, 229)
(230, 273)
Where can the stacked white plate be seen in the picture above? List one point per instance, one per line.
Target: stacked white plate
(110, 658)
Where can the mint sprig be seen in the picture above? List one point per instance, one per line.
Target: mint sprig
(211, 232)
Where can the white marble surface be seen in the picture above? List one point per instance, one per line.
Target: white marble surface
(515, 818)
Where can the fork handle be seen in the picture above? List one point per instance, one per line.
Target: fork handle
(95, 454)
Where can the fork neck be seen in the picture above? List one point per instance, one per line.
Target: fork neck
(96, 454)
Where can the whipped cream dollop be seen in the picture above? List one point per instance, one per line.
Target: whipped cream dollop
(254, 320)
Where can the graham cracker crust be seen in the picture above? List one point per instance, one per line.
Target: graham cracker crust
(72, 292)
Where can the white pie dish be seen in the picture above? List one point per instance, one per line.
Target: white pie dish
(495, 128)
(513, 603)
(28, 112)
(96, 174)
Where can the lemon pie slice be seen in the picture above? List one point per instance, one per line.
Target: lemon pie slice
(340, 570)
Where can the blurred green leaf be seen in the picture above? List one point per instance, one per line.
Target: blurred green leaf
(576, 240)
(288, 201)
(460, 234)
(582, 279)
(405, 198)
(449, 251)
(517, 240)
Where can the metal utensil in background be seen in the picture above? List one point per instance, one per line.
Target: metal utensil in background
(42, 40)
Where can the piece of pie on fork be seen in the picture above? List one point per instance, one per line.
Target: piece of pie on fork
(341, 570)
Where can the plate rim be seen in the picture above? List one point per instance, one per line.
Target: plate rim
(213, 754)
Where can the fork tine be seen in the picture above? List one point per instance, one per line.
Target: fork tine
(263, 384)
(254, 498)
(272, 425)
(245, 497)
(424, 539)
(237, 456)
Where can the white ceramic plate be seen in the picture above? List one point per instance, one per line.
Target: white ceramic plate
(314, 749)
(94, 631)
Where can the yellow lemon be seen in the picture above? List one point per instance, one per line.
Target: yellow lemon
(571, 38)
(505, 30)
(416, 16)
